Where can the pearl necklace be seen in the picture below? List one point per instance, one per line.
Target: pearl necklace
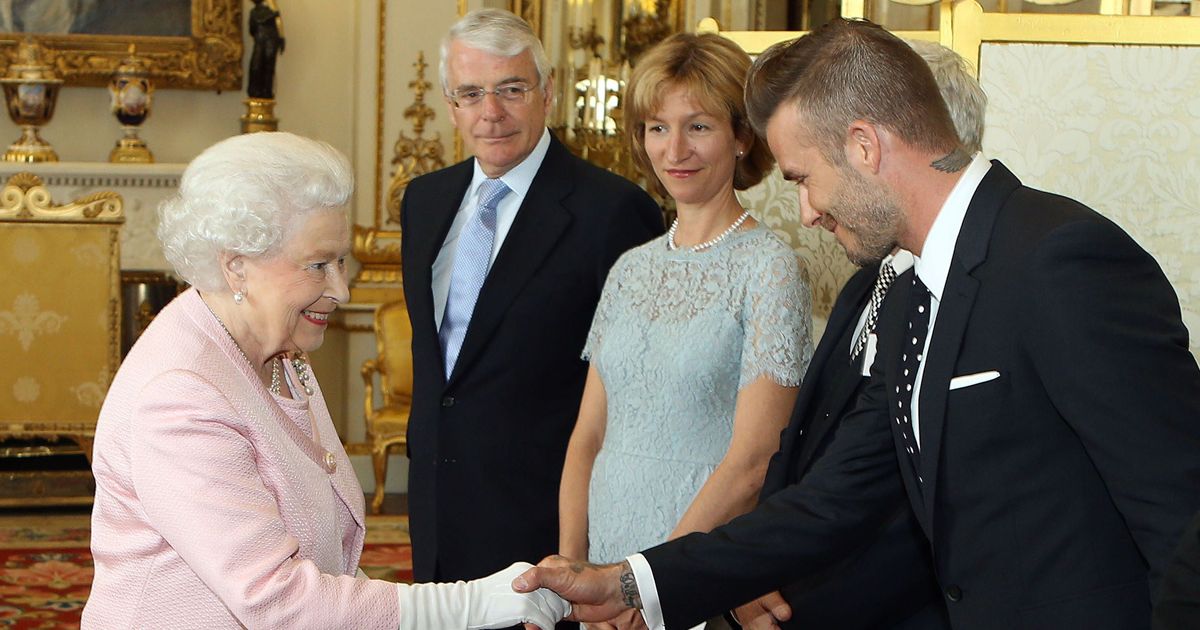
(276, 387)
(302, 374)
(235, 343)
(710, 242)
(276, 380)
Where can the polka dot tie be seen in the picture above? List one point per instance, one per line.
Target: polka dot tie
(911, 354)
(472, 258)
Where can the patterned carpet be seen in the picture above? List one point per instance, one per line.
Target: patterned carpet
(46, 567)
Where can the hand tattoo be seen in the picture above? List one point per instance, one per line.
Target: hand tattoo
(629, 590)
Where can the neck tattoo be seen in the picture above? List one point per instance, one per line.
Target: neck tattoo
(953, 162)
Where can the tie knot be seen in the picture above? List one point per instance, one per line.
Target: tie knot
(491, 191)
(887, 274)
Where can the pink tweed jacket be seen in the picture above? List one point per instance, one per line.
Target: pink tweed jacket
(213, 509)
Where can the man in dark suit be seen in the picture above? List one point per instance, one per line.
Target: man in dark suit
(861, 592)
(1033, 398)
(836, 376)
(504, 258)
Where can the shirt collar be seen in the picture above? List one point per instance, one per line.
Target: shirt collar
(933, 265)
(520, 177)
(901, 260)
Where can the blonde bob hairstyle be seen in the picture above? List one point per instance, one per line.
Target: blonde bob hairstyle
(243, 195)
(712, 70)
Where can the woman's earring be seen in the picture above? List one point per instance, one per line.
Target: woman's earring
(239, 297)
(740, 154)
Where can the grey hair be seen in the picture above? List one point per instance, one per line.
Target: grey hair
(241, 195)
(495, 32)
(964, 96)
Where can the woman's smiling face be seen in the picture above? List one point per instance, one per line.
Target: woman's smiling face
(693, 151)
(292, 292)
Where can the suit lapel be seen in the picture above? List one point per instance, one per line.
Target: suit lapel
(954, 311)
(430, 226)
(541, 220)
(842, 320)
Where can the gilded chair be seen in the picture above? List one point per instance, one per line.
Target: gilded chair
(387, 425)
(59, 310)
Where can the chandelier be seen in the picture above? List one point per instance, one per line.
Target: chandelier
(589, 115)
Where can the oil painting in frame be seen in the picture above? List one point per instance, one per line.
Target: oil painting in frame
(194, 44)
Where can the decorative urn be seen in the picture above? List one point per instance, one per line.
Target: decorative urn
(30, 91)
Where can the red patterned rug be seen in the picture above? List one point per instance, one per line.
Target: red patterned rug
(45, 589)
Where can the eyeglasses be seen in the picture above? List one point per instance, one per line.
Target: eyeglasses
(509, 92)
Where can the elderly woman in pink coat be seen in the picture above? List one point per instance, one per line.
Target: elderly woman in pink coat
(224, 498)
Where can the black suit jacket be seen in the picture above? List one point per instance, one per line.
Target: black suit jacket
(1052, 495)
(486, 447)
(888, 582)
(1178, 606)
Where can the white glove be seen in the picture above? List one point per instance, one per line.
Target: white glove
(487, 602)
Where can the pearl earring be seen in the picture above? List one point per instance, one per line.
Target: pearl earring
(238, 297)
(740, 154)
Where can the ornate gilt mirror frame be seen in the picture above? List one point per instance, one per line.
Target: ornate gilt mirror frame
(209, 59)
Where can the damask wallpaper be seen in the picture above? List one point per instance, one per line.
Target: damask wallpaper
(1116, 127)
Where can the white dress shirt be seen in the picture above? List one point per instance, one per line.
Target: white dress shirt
(932, 267)
(518, 179)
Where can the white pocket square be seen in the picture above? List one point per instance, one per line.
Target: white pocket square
(967, 380)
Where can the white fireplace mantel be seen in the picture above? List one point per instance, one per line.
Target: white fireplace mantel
(142, 186)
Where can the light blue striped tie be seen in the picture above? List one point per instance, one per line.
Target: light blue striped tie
(472, 259)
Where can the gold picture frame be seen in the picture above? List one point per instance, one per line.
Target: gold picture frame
(208, 59)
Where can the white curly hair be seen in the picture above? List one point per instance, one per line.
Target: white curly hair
(241, 195)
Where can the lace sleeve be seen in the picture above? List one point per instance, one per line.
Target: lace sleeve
(777, 319)
(608, 296)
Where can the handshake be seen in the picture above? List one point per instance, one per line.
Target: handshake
(537, 597)
(606, 597)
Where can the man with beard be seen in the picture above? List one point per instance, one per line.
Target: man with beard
(1033, 398)
(837, 374)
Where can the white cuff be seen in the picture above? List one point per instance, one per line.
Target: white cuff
(651, 608)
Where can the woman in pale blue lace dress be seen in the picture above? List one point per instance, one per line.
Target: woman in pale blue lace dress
(701, 336)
